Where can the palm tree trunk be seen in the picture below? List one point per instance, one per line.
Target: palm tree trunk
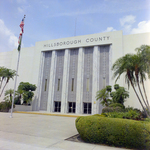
(3, 88)
(143, 98)
(138, 97)
(1, 83)
(142, 94)
(145, 92)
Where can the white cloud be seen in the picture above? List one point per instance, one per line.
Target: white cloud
(130, 19)
(8, 41)
(20, 10)
(143, 26)
(109, 29)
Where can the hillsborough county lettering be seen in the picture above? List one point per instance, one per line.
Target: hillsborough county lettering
(87, 40)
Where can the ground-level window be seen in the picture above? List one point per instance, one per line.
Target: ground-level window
(71, 107)
(87, 108)
(57, 106)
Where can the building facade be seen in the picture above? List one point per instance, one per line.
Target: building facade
(68, 72)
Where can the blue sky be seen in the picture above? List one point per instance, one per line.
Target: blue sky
(53, 19)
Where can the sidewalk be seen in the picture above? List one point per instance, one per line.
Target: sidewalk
(41, 131)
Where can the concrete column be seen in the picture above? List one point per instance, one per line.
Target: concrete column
(36, 104)
(50, 101)
(80, 73)
(95, 80)
(65, 82)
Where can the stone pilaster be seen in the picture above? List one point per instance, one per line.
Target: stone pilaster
(95, 80)
(39, 87)
(65, 82)
(79, 91)
(50, 101)
(110, 64)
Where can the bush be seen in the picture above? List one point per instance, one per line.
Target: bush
(114, 132)
(5, 106)
(132, 114)
(99, 115)
(112, 109)
(17, 101)
(116, 105)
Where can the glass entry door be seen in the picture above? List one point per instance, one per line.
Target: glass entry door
(87, 108)
(71, 107)
(57, 107)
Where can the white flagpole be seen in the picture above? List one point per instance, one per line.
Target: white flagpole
(16, 78)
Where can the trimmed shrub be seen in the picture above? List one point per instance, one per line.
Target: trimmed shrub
(114, 131)
(112, 109)
(100, 115)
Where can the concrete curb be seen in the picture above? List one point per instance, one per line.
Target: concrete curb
(48, 114)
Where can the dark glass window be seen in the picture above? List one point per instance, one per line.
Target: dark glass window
(71, 107)
(87, 108)
(57, 106)
(87, 85)
(45, 85)
(72, 84)
(58, 85)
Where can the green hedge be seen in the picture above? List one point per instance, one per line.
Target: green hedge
(114, 131)
(5, 106)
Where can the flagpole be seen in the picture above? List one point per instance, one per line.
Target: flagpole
(19, 49)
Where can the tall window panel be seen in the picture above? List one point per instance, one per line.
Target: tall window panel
(88, 71)
(104, 66)
(59, 75)
(73, 75)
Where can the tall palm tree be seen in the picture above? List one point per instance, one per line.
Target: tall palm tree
(140, 72)
(9, 74)
(144, 53)
(126, 64)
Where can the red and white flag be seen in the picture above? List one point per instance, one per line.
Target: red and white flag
(21, 32)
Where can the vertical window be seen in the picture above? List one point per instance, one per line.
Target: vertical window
(58, 85)
(72, 84)
(45, 85)
(87, 85)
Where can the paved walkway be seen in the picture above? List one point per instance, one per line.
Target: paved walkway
(41, 132)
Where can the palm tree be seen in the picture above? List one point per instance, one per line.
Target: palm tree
(8, 95)
(2, 75)
(144, 53)
(126, 64)
(9, 74)
(140, 73)
(103, 95)
(19, 94)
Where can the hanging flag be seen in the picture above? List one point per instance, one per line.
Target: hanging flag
(21, 32)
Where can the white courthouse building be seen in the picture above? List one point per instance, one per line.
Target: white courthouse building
(69, 71)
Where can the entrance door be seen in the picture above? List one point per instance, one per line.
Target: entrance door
(71, 107)
(87, 108)
(57, 107)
